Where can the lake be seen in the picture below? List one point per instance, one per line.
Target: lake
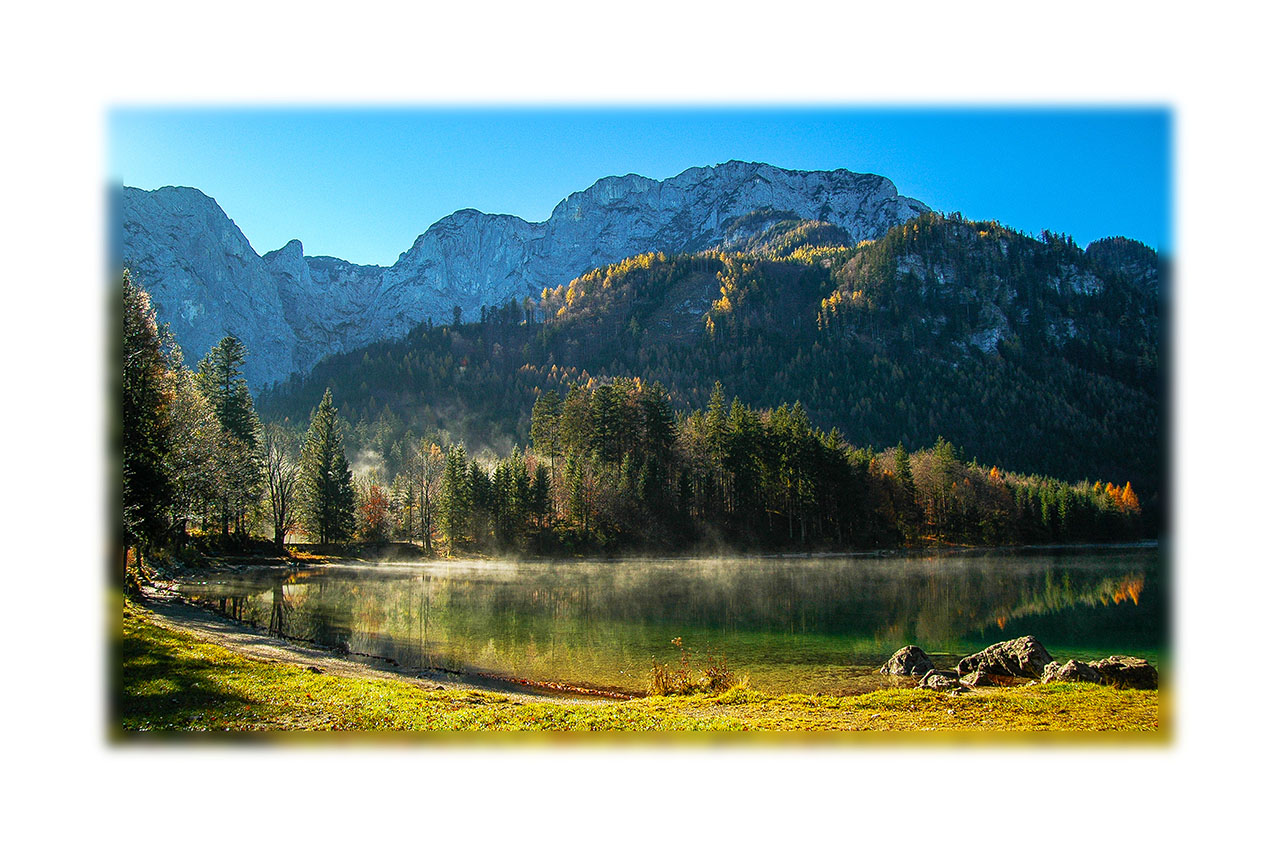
(790, 624)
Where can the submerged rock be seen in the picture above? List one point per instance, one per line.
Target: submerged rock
(908, 660)
(1021, 658)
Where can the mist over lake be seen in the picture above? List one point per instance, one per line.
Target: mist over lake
(793, 624)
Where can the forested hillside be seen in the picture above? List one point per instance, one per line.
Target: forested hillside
(608, 466)
(1030, 354)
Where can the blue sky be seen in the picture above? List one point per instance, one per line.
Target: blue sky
(361, 184)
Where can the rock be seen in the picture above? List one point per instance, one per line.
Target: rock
(1127, 672)
(205, 279)
(290, 310)
(1116, 671)
(1071, 671)
(982, 677)
(941, 681)
(908, 660)
(978, 678)
(1021, 658)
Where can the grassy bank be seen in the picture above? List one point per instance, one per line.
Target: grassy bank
(172, 682)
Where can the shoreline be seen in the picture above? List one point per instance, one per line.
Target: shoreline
(191, 672)
(174, 611)
(242, 562)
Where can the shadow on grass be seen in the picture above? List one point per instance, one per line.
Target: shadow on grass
(164, 689)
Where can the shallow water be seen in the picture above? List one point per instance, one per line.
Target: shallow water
(802, 624)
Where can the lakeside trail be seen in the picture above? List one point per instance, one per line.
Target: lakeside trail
(174, 612)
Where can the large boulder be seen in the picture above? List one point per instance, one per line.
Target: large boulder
(1117, 671)
(1125, 671)
(1071, 671)
(908, 660)
(1020, 658)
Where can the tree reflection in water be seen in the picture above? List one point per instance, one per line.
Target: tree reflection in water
(792, 623)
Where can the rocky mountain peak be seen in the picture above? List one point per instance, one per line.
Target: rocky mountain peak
(291, 310)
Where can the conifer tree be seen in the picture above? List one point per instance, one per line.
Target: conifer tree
(455, 497)
(540, 494)
(902, 470)
(224, 385)
(328, 497)
(145, 424)
(543, 425)
(575, 431)
(220, 379)
(716, 424)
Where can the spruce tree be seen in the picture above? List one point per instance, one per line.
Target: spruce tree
(146, 434)
(455, 497)
(543, 427)
(902, 470)
(328, 497)
(240, 461)
(224, 385)
(716, 423)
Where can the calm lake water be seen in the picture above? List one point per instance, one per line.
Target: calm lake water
(812, 624)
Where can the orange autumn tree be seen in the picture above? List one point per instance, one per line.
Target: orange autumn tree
(374, 513)
(1125, 500)
(1128, 501)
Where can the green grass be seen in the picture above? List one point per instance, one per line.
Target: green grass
(172, 682)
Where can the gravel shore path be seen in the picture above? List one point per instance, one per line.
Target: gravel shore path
(172, 611)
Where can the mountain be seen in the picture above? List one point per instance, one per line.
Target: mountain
(291, 310)
(1030, 353)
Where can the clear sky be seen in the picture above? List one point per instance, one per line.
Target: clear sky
(361, 184)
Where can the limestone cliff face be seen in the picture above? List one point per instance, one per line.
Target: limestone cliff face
(206, 281)
(291, 310)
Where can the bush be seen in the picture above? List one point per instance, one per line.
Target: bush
(716, 677)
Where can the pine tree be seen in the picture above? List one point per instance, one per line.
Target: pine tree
(575, 431)
(455, 498)
(328, 498)
(223, 384)
(658, 423)
(145, 424)
(544, 423)
(540, 494)
(716, 424)
(902, 470)
(480, 490)
(609, 423)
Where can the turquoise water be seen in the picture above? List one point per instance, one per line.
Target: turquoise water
(803, 624)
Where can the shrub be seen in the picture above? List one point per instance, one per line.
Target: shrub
(684, 680)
